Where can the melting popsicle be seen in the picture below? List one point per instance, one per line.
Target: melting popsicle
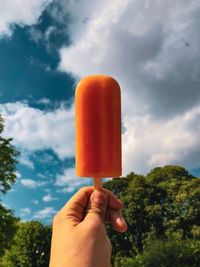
(98, 128)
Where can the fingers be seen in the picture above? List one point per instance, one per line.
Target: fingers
(79, 202)
(97, 206)
(104, 205)
(81, 197)
(117, 220)
(113, 201)
(74, 210)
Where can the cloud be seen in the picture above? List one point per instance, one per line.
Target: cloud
(29, 183)
(48, 198)
(148, 143)
(35, 35)
(152, 49)
(46, 158)
(44, 101)
(46, 38)
(20, 13)
(25, 211)
(69, 182)
(45, 213)
(154, 54)
(24, 160)
(5, 205)
(75, 13)
(39, 129)
(18, 174)
(41, 175)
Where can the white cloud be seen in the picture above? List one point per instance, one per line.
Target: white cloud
(18, 174)
(47, 190)
(153, 54)
(35, 35)
(41, 175)
(25, 212)
(44, 213)
(152, 49)
(39, 129)
(45, 38)
(29, 183)
(48, 198)
(24, 160)
(148, 143)
(47, 159)
(69, 181)
(17, 12)
(44, 101)
(5, 205)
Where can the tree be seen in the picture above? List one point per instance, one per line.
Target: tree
(168, 253)
(168, 173)
(8, 227)
(166, 201)
(31, 246)
(8, 154)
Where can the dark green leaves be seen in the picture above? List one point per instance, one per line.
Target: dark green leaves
(8, 161)
(164, 203)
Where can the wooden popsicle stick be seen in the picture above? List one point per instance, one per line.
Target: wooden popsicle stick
(97, 183)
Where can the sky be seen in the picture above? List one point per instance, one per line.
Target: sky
(152, 48)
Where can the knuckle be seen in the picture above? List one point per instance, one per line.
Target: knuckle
(96, 225)
(57, 218)
(81, 190)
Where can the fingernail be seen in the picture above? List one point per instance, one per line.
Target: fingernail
(121, 221)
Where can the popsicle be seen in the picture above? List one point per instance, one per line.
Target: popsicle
(98, 128)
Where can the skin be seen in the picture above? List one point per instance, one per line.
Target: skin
(79, 236)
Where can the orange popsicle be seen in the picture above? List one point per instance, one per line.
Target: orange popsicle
(98, 127)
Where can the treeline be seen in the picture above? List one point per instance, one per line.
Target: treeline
(163, 215)
(162, 210)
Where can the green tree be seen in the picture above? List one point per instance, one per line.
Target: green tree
(31, 246)
(164, 202)
(168, 173)
(170, 253)
(8, 227)
(8, 154)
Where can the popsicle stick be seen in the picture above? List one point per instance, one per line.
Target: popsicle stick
(97, 183)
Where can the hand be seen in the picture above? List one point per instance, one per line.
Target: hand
(79, 235)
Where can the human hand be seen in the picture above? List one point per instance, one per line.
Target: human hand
(79, 235)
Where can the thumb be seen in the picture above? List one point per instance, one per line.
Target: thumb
(97, 205)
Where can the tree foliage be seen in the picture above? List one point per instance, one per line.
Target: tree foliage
(31, 246)
(170, 253)
(8, 154)
(165, 202)
(8, 227)
(8, 222)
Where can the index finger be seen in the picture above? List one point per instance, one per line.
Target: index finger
(74, 210)
(81, 199)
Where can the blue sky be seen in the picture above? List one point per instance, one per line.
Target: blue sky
(152, 48)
